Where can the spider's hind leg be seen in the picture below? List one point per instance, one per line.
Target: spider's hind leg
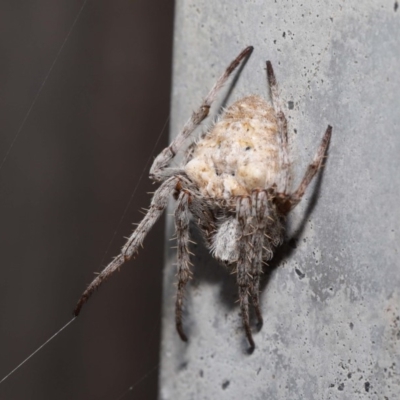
(183, 263)
(259, 211)
(244, 265)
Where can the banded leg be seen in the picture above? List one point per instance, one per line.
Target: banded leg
(157, 206)
(282, 126)
(244, 264)
(184, 273)
(162, 160)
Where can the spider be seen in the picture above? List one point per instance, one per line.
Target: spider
(234, 181)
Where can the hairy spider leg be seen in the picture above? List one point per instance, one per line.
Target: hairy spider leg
(313, 168)
(260, 214)
(182, 216)
(282, 126)
(157, 206)
(158, 169)
(244, 263)
(287, 202)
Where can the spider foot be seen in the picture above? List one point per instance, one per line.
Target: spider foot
(181, 334)
(250, 339)
(250, 350)
(79, 305)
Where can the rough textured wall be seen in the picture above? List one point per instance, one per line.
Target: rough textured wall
(331, 303)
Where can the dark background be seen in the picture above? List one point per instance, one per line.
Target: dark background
(64, 187)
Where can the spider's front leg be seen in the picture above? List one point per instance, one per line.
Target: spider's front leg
(282, 127)
(158, 170)
(157, 206)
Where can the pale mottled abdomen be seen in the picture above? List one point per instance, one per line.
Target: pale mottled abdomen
(240, 153)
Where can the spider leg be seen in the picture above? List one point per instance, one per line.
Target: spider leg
(259, 210)
(282, 126)
(313, 168)
(244, 264)
(288, 202)
(157, 206)
(203, 217)
(157, 170)
(184, 273)
(187, 156)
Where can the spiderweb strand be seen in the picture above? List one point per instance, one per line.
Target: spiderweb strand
(138, 382)
(42, 85)
(38, 349)
(134, 191)
(148, 373)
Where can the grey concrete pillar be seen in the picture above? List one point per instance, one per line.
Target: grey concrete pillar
(332, 301)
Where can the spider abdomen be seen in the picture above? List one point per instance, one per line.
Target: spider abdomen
(241, 152)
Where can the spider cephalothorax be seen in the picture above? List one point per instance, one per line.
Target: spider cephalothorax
(234, 181)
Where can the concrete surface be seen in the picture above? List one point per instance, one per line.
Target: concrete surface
(331, 304)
